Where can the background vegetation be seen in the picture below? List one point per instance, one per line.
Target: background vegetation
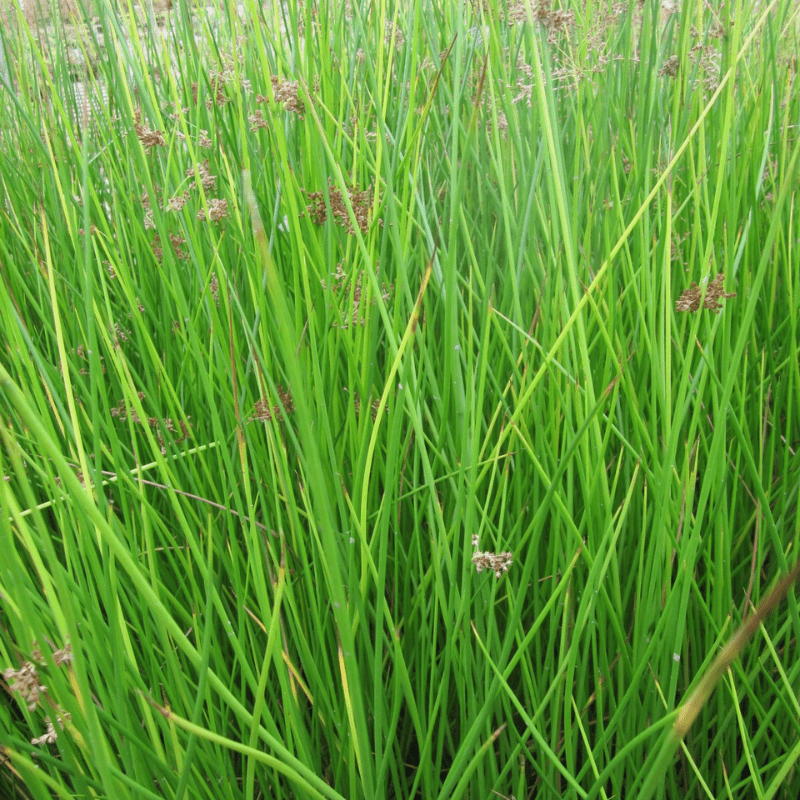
(399, 399)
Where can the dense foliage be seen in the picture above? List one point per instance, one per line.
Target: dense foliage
(398, 399)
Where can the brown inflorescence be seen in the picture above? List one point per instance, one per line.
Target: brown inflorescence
(263, 412)
(285, 93)
(25, 680)
(692, 299)
(217, 210)
(497, 562)
(147, 137)
(122, 412)
(360, 201)
(357, 313)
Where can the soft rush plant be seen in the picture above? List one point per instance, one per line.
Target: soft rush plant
(399, 400)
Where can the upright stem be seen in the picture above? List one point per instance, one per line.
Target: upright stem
(4, 79)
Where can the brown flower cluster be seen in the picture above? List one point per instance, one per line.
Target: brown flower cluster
(708, 59)
(393, 36)
(219, 96)
(50, 734)
(692, 298)
(285, 93)
(217, 210)
(178, 202)
(497, 562)
(373, 406)
(214, 288)
(356, 315)
(176, 241)
(361, 202)
(25, 680)
(203, 139)
(122, 412)
(203, 177)
(147, 137)
(120, 335)
(258, 120)
(542, 13)
(84, 354)
(262, 412)
(670, 68)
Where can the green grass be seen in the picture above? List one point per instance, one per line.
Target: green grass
(248, 448)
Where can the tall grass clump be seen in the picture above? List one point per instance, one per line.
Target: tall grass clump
(399, 399)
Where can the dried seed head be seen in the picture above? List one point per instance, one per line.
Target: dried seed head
(214, 287)
(206, 179)
(176, 241)
(50, 735)
(63, 656)
(178, 202)
(121, 410)
(670, 68)
(25, 680)
(715, 293)
(158, 251)
(285, 93)
(263, 413)
(147, 137)
(691, 298)
(497, 562)
(360, 201)
(258, 120)
(393, 36)
(217, 210)
(357, 312)
(121, 334)
(542, 13)
(219, 96)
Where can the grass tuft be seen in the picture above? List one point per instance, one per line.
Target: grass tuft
(399, 400)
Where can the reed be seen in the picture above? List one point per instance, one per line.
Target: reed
(399, 400)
